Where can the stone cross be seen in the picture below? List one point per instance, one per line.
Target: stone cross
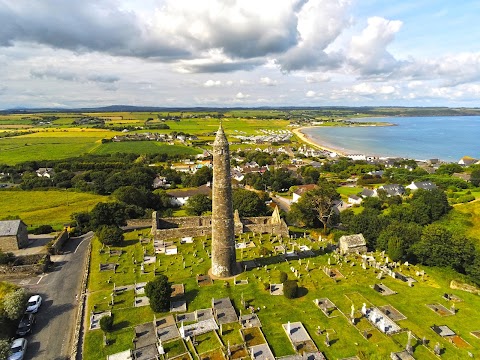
(289, 328)
(437, 349)
(327, 340)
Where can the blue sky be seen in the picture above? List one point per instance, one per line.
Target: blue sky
(239, 53)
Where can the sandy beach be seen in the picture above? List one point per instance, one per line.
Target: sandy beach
(310, 142)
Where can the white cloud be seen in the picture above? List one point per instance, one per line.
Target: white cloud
(310, 93)
(268, 82)
(368, 50)
(211, 83)
(241, 96)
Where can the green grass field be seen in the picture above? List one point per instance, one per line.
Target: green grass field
(144, 147)
(464, 218)
(49, 145)
(46, 207)
(346, 339)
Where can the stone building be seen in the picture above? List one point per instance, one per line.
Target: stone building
(351, 244)
(13, 235)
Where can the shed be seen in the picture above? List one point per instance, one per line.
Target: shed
(13, 235)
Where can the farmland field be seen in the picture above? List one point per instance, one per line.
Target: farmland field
(144, 147)
(45, 207)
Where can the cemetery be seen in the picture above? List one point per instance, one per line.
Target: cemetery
(247, 316)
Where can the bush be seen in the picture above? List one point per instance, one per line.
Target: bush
(5, 258)
(283, 276)
(290, 289)
(42, 229)
(106, 323)
(266, 286)
(4, 348)
(110, 235)
(14, 304)
(265, 251)
(158, 291)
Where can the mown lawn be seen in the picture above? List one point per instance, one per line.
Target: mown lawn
(46, 207)
(346, 340)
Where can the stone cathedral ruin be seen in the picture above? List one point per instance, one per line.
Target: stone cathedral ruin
(224, 223)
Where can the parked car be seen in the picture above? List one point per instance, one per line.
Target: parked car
(18, 349)
(34, 304)
(26, 324)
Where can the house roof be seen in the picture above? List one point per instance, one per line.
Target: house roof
(426, 185)
(368, 193)
(9, 227)
(354, 197)
(301, 189)
(353, 240)
(393, 189)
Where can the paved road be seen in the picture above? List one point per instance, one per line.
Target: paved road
(53, 333)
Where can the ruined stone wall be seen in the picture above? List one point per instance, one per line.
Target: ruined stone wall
(29, 264)
(170, 228)
(139, 223)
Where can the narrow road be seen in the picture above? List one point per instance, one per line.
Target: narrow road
(53, 333)
(283, 203)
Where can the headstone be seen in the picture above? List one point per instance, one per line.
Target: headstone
(327, 340)
(182, 331)
(437, 350)
(289, 328)
(409, 347)
(364, 309)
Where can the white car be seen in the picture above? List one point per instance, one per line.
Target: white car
(18, 349)
(33, 304)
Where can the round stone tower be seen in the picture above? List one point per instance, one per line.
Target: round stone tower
(223, 233)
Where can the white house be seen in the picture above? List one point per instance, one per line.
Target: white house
(354, 200)
(181, 196)
(45, 172)
(302, 189)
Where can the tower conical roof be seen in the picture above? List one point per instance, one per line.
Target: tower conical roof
(220, 138)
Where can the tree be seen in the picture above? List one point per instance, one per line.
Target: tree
(408, 232)
(110, 235)
(131, 195)
(198, 204)
(290, 289)
(108, 214)
(475, 177)
(395, 248)
(248, 203)
(106, 323)
(434, 203)
(318, 203)
(435, 246)
(159, 291)
(283, 277)
(14, 303)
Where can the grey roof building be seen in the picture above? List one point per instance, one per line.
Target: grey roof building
(13, 235)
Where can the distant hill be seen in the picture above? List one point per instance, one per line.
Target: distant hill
(364, 110)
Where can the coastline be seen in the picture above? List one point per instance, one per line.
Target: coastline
(306, 139)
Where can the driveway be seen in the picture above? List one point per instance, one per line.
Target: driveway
(53, 333)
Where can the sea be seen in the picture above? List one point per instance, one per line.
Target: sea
(447, 138)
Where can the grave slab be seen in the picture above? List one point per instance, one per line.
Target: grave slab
(178, 306)
(250, 320)
(141, 301)
(276, 289)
